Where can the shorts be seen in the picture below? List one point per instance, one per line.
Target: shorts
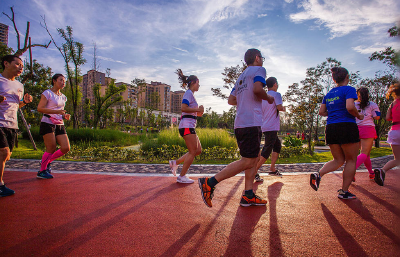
(186, 131)
(249, 140)
(272, 143)
(8, 136)
(394, 137)
(342, 133)
(367, 132)
(46, 128)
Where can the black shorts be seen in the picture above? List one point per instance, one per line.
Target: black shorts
(8, 136)
(46, 128)
(249, 140)
(341, 133)
(272, 143)
(186, 131)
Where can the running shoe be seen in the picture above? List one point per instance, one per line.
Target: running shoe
(5, 191)
(315, 179)
(256, 200)
(48, 168)
(184, 179)
(207, 193)
(173, 166)
(345, 195)
(275, 173)
(258, 178)
(44, 175)
(372, 176)
(379, 176)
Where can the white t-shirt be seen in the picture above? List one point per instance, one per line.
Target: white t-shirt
(248, 109)
(271, 120)
(13, 90)
(188, 98)
(371, 111)
(54, 102)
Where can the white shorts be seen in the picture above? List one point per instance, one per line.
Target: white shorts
(394, 137)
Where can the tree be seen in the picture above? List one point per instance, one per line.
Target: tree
(35, 84)
(102, 103)
(231, 74)
(72, 53)
(389, 56)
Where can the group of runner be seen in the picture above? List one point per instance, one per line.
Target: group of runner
(350, 121)
(52, 103)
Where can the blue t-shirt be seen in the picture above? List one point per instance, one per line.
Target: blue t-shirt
(335, 101)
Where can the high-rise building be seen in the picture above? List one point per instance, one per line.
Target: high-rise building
(4, 34)
(176, 101)
(156, 95)
(89, 80)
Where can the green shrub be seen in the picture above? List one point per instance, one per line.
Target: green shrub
(319, 143)
(292, 141)
(287, 152)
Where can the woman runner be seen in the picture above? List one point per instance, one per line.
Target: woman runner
(341, 133)
(366, 128)
(187, 125)
(52, 103)
(393, 114)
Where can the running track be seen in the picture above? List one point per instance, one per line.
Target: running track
(113, 215)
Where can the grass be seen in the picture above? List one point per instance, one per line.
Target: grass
(25, 151)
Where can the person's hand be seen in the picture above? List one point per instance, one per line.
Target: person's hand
(67, 116)
(62, 112)
(28, 98)
(360, 116)
(2, 98)
(201, 109)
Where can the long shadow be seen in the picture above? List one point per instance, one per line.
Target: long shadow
(195, 249)
(373, 197)
(177, 246)
(349, 244)
(66, 248)
(58, 233)
(364, 213)
(275, 244)
(394, 189)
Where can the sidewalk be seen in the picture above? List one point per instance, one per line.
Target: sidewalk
(62, 166)
(105, 215)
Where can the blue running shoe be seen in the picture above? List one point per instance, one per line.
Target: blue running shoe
(5, 191)
(345, 195)
(44, 175)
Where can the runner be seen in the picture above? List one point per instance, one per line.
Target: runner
(190, 111)
(52, 103)
(246, 95)
(341, 133)
(393, 114)
(366, 128)
(13, 98)
(270, 128)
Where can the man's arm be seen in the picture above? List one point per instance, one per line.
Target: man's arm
(232, 100)
(259, 91)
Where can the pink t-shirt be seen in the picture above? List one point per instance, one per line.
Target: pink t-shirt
(370, 112)
(396, 115)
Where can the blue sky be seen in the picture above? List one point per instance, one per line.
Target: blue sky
(151, 39)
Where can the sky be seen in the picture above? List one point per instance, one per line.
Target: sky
(151, 39)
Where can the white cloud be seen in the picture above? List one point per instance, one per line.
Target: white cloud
(262, 15)
(110, 59)
(342, 16)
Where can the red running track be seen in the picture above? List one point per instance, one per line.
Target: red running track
(102, 215)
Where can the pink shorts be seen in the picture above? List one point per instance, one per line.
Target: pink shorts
(367, 132)
(394, 137)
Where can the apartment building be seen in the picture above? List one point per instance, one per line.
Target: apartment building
(176, 101)
(156, 95)
(4, 34)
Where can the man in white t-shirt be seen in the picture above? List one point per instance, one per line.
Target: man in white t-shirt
(246, 95)
(14, 98)
(270, 128)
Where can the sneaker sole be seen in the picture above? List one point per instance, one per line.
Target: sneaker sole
(312, 184)
(346, 198)
(42, 177)
(378, 177)
(252, 204)
(182, 182)
(202, 194)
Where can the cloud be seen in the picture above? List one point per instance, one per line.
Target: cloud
(110, 59)
(262, 15)
(182, 50)
(374, 48)
(342, 16)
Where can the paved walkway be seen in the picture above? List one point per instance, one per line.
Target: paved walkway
(107, 215)
(70, 166)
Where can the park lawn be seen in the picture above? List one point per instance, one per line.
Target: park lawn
(25, 151)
